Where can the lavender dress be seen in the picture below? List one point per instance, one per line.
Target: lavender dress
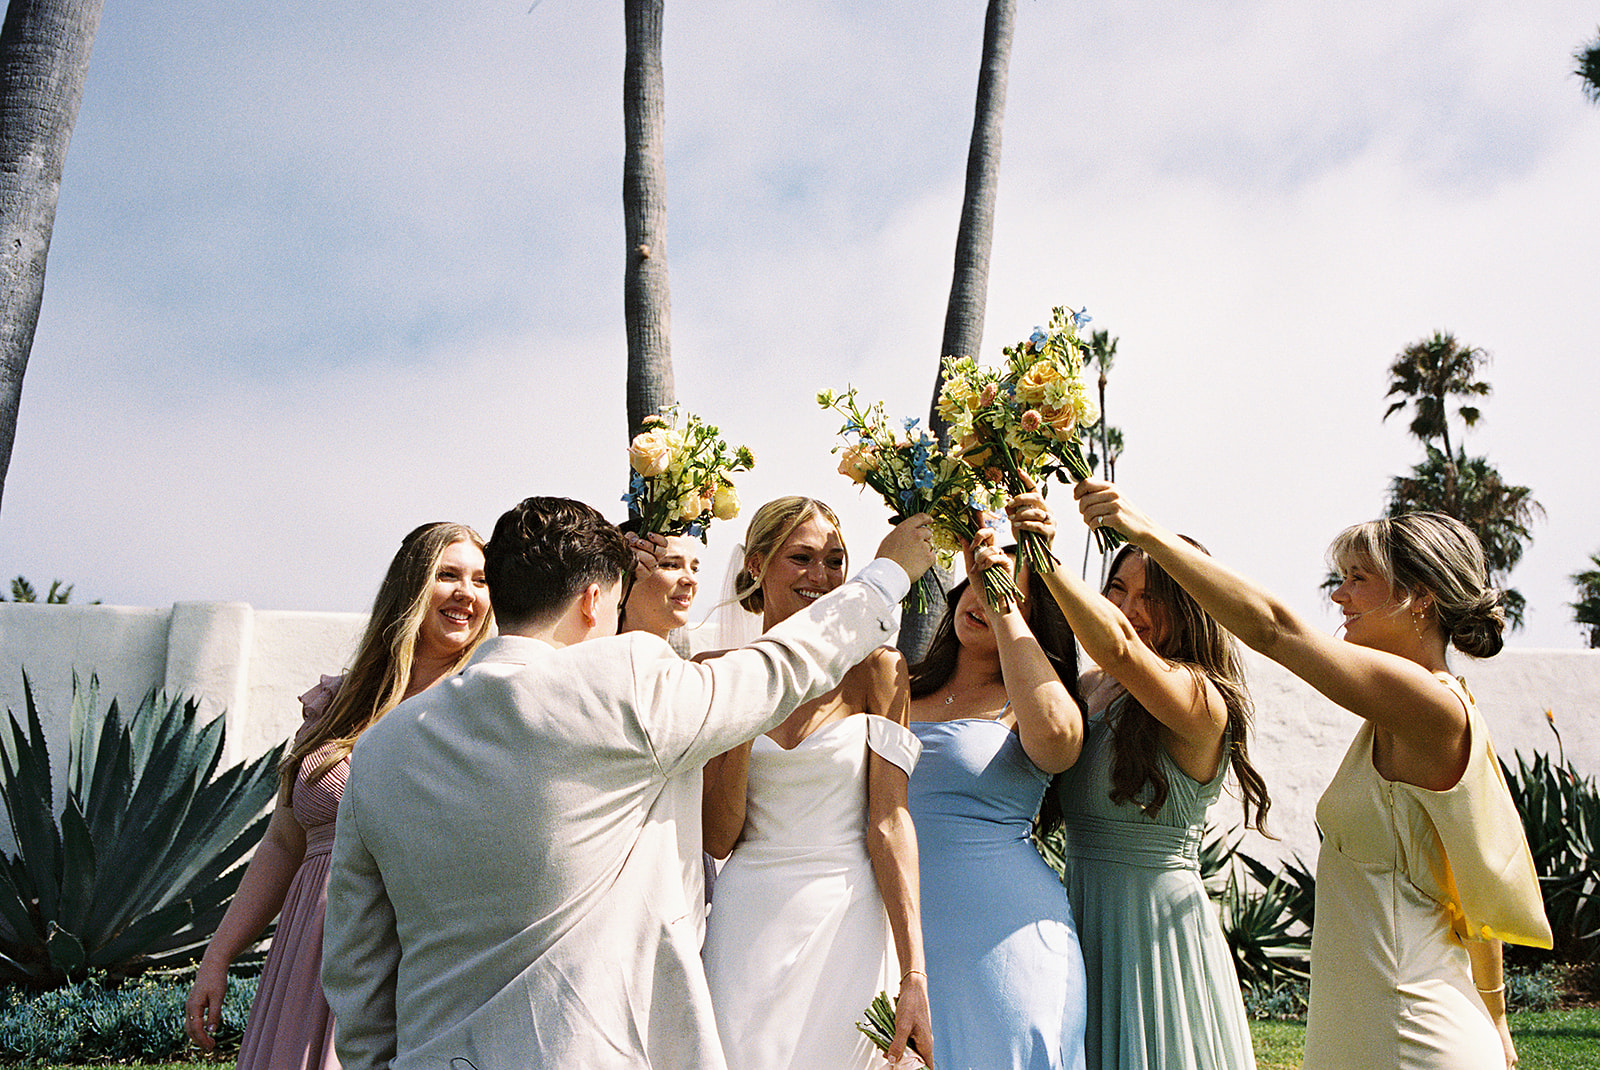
(291, 1027)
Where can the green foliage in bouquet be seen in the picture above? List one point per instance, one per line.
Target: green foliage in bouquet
(914, 475)
(879, 1026)
(143, 861)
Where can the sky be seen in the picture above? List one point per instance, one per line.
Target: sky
(322, 272)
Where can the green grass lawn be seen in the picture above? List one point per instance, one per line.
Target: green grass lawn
(1550, 1040)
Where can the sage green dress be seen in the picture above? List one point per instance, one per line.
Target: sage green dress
(1163, 993)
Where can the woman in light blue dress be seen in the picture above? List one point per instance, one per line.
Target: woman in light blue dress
(995, 706)
(1168, 716)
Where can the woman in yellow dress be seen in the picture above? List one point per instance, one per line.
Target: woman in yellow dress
(1424, 869)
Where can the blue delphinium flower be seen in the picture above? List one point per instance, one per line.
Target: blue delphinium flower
(1081, 317)
(1038, 338)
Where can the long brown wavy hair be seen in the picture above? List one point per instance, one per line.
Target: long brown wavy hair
(377, 678)
(1190, 638)
(1049, 626)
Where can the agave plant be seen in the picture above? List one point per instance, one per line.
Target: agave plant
(143, 860)
(1269, 944)
(1561, 818)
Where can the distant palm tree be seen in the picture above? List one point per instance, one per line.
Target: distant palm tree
(44, 57)
(1426, 375)
(22, 591)
(1473, 491)
(1587, 607)
(1588, 69)
(646, 295)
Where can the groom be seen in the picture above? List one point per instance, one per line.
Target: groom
(508, 888)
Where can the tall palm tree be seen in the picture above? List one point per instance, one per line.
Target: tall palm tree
(1426, 375)
(44, 56)
(1587, 607)
(646, 296)
(1588, 69)
(969, 288)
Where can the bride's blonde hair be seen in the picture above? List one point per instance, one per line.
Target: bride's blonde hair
(770, 528)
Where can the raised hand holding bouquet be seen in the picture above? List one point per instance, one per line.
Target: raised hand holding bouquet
(681, 475)
(1025, 420)
(914, 475)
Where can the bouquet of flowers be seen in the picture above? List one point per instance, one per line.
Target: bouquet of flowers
(879, 1026)
(680, 475)
(915, 475)
(1026, 419)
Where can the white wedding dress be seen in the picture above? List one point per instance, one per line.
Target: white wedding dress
(798, 944)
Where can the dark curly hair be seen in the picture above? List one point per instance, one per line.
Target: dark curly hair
(544, 552)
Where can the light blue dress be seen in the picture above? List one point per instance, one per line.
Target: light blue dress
(1005, 975)
(1163, 994)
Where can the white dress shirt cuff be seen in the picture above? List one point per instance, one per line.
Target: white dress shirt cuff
(887, 578)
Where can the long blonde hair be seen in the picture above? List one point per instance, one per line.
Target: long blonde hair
(377, 678)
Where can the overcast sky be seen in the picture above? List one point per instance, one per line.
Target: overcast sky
(322, 272)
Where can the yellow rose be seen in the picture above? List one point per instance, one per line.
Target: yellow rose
(650, 453)
(725, 503)
(973, 450)
(857, 461)
(1062, 421)
(956, 397)
(1044, 382)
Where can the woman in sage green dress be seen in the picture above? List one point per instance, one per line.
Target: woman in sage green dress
(1423, 869)
(1168, 715)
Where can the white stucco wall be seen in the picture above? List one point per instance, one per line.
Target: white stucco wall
(252, 664)
(1301, 737)
(247, 664)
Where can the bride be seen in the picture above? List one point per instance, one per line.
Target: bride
(816, 910)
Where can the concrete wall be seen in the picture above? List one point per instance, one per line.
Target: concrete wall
(252, 664)
(1301, 737)
(246, 664)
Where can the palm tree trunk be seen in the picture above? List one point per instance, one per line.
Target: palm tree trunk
(646, 295)
(969, 289)
(44, 58)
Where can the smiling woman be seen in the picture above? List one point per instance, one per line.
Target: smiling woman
(818, 899)
(431, 612)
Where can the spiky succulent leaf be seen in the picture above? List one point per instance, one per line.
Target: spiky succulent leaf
(146, 856)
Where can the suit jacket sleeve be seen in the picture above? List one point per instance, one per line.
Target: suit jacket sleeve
(693, 712)
(360, 946)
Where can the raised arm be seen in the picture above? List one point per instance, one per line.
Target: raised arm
(1182, 699)
(892, 846)
(1394, 692)
(1049, 722)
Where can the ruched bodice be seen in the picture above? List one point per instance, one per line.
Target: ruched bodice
(1162, 990)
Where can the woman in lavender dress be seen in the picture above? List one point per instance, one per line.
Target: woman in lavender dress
(430, 614)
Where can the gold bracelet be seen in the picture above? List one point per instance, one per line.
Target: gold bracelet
(908, 973)
(1501, 987)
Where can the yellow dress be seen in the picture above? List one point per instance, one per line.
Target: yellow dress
(1404, 875)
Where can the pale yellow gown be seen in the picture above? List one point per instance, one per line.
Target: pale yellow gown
(1404, 875)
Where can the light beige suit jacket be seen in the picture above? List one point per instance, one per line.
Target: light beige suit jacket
(508, 884)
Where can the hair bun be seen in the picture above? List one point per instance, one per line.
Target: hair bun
(1479, 629)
